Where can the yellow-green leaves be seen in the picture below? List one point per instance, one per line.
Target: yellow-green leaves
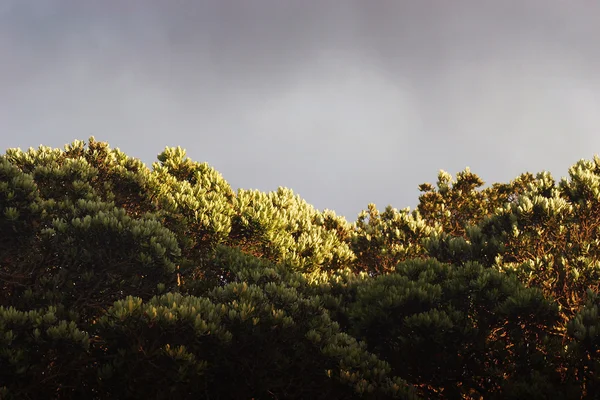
(381, 240)
(282, 227)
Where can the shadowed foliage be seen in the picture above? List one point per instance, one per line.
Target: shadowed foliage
(123, 281)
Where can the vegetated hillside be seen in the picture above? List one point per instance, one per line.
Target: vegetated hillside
(120, 281)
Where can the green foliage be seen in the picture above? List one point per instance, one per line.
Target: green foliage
(39, 353)
(548, 237)
(456, 204)
(382, 240)
(120, 281)
(195, 196)
(456, 331)
(283, 228)
(584, 349)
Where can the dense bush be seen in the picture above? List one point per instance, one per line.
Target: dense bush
(120, 281)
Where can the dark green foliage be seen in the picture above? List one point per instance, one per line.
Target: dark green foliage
(120, 281)
(241, 335)
(455, 330)
(39, 354)
(584, 349)
(548, 237)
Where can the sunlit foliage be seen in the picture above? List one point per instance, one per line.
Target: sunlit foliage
(123, 281)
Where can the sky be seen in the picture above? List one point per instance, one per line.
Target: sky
(346, 102)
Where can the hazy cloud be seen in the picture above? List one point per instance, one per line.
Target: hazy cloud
(346, 102)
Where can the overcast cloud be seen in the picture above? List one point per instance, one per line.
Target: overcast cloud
(346, 102)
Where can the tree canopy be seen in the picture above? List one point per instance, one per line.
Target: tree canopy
(123, 281)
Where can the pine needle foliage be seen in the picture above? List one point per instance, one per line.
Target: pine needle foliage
(122, 281)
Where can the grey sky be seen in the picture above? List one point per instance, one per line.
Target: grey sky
(346, 102)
